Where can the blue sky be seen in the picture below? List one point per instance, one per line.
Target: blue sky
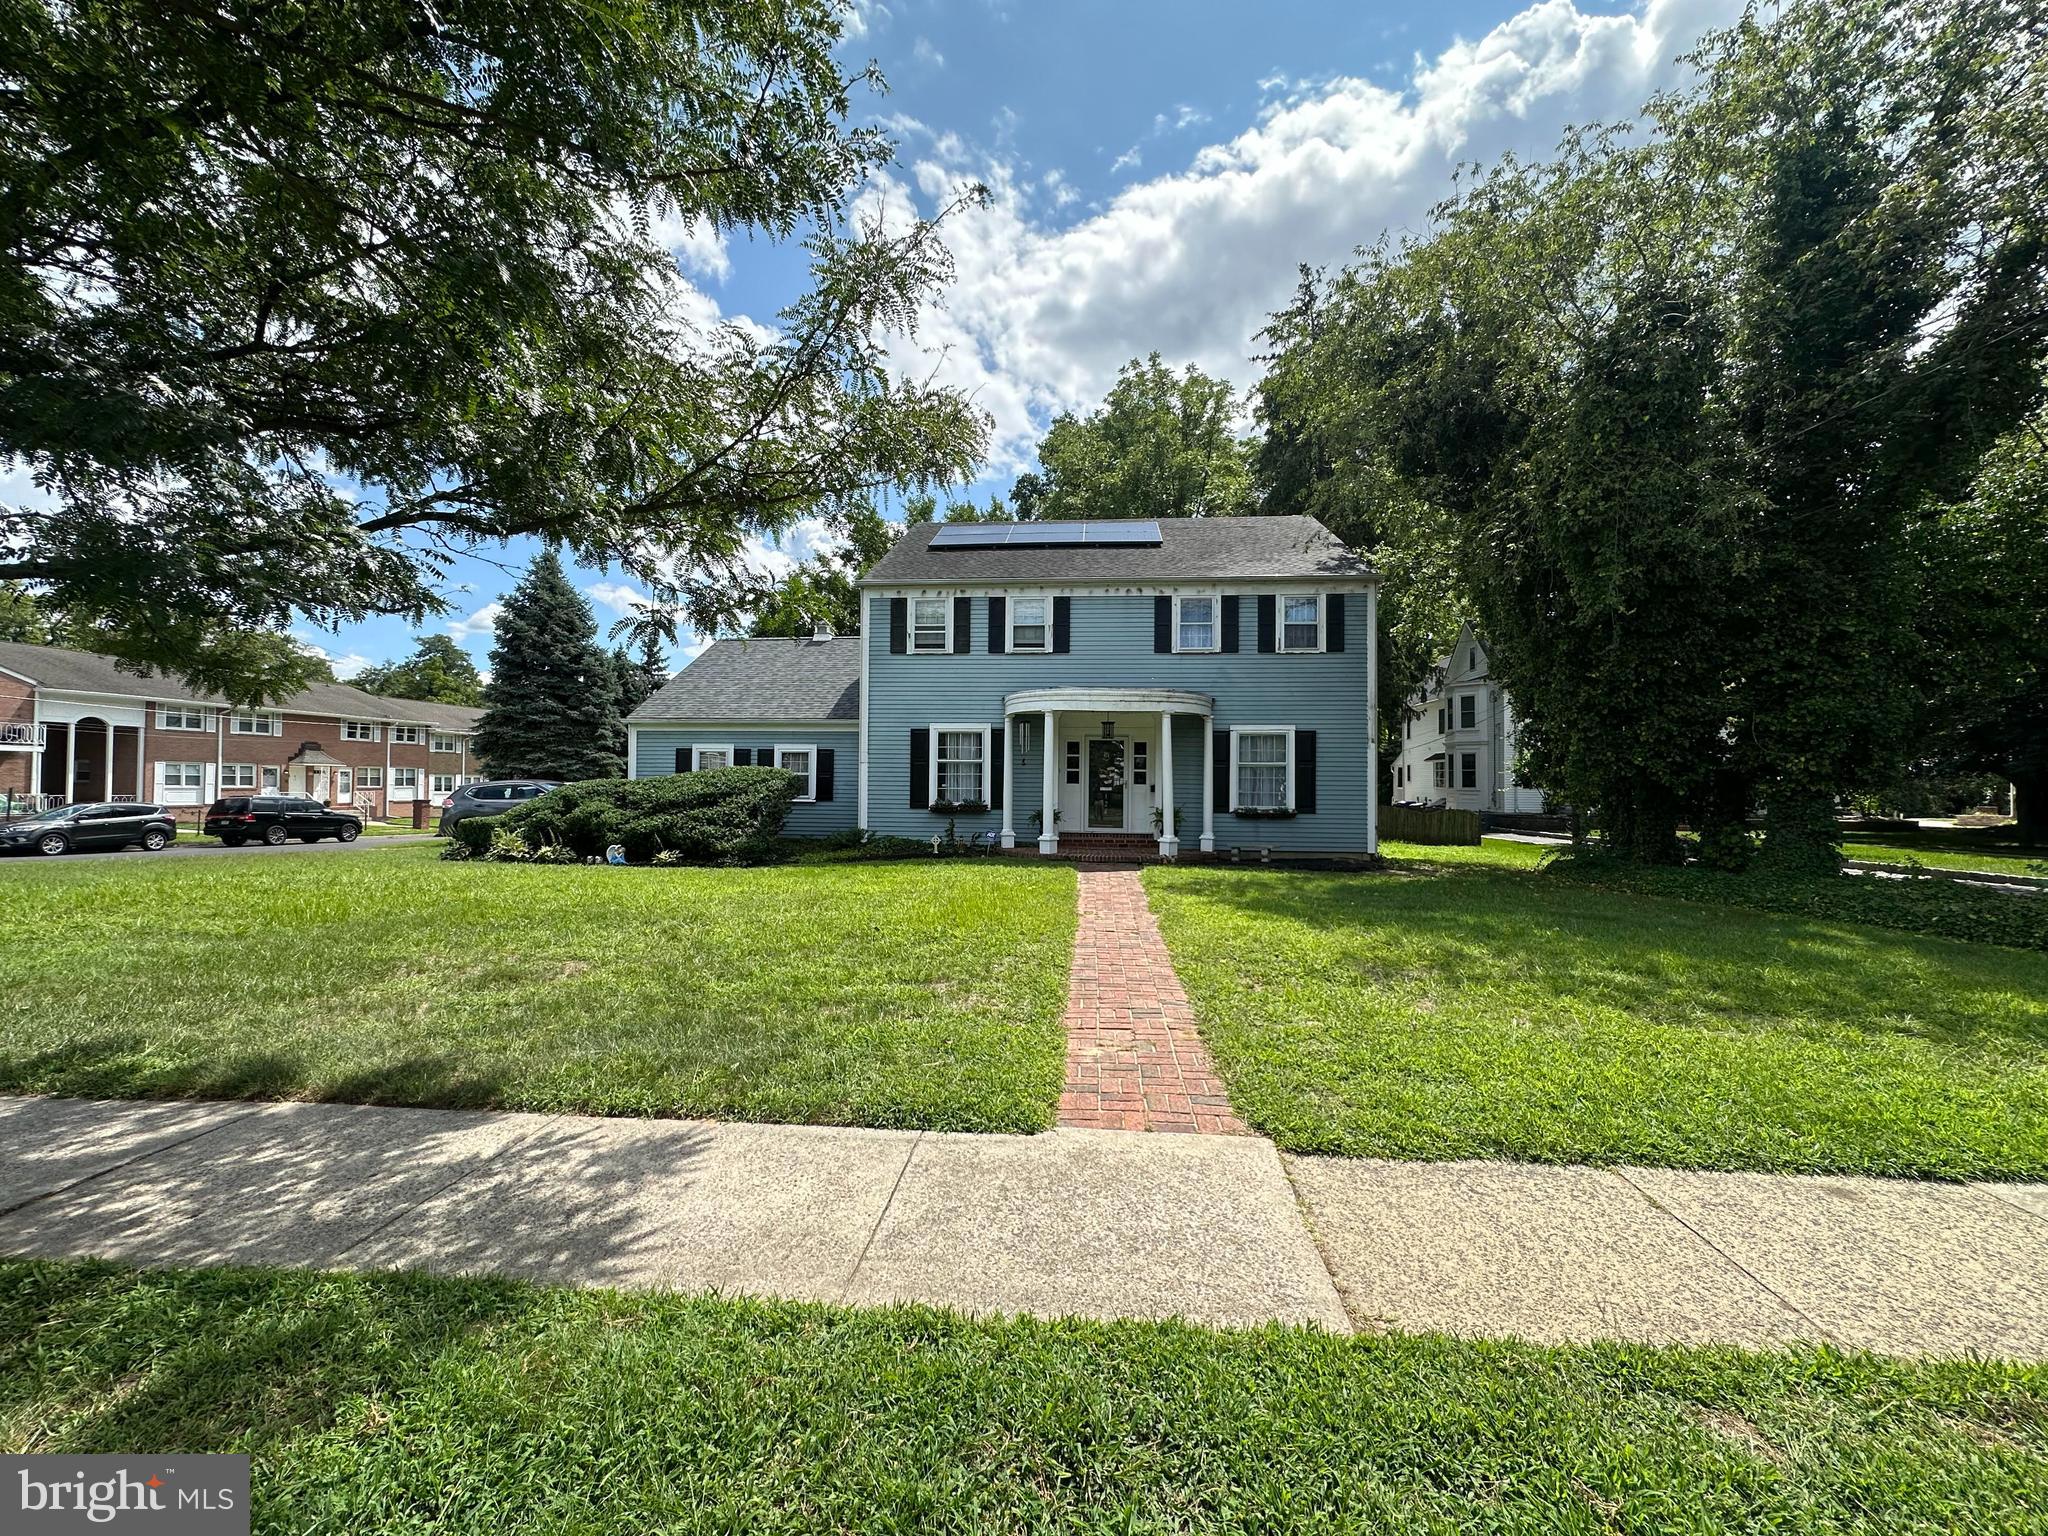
(1159, 170)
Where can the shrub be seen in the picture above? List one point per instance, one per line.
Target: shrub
(717, 816)
(1938, 907)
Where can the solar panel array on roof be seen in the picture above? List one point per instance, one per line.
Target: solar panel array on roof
(1133, 531)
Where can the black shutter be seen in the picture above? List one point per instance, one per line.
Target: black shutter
(822, 774)
(1305, 772)
(1162, 625)
(1267, 604)
(1333, 622)
(1219, 786)
(684, 763)
(995, 767)
(1230, 625)
(1062, 625)
(963, 624)
(899, 625)
(920, 770)
(743, 757)
(998, 625)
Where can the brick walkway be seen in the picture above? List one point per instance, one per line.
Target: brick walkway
(1134, 1061)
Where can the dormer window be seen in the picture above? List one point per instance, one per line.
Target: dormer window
(931, 624)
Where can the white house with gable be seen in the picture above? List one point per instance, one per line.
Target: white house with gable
(1458, 738)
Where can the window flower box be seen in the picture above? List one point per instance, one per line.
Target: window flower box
(959, 807)
(1264, 813)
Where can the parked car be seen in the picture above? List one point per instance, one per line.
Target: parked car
(97, 824)
(276, 819)
(493, 797)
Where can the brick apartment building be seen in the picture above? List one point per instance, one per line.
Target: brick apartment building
(74, 727)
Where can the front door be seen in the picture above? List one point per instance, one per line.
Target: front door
(1106, 784)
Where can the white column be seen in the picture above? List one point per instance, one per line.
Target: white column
(108, 749)
(632, 752)
(1209, 783)
(1009, 782)
(1372, 720)
(70, 761)
(1169, 843)
(142, 758)
(1048, 832)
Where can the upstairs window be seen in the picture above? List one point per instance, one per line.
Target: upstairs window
(358, 730)
(1030, 630)
(257, 725)
(1468, 711)
(177, 717)
(406, 735)
(443, 744)
(1301, 623)
(1194, 624)
(931, 624)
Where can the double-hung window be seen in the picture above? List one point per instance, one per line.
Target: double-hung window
(1468, 770)
(358, 730)
(176, 717)
(1194, 624)
(369, 778)
(407, 779)
(443, 744)
(1263, 767)
(959, 764)
(238, 776)
(406, 735)
(713, 757)
(256, 725)
(1029, 628)
(931, 624)
(800, 761)
(1439, 776)
(184, 775)
(1301, 623)
(441, 784)
(1468, 711)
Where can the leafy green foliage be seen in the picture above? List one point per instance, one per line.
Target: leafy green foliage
(551, 708)
(715, 1413)
(1161, 444)
(438, 671)
(824, 588)
(297, 298)
(718, 816)
(1671, 400)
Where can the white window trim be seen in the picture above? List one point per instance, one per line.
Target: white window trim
(698, 750)
(434, 784)
(443, 744)
(1261, 730)
(261, 723)
(1280, 623)
(1215, 601)
(400, 739)
(1010, 624)
(370, 778)
(810, 794)
(163, 778)
(910, 642)
(183, 712)
(354, 730)
(411, 790)
(232, 776)
(932, 767)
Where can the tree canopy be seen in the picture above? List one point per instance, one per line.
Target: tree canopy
(299, 299)
(1161, 444)
(1670, 402)
(438, 670)
(551, 708)
(823, 590)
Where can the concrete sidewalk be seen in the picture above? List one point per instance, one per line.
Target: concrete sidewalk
(1216, 1229)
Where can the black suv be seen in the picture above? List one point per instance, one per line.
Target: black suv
(492, 798)
(276, 819)
(100, 824)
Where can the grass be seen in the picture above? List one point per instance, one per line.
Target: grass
(1987, 850)
(404, 1404)
(925, 995)
(1467, 1006)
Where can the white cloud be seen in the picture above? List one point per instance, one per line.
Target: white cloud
(343, 666)
(1129, 160)
(926, 54)
(1191, 263)
(618, 596)
(482, 622)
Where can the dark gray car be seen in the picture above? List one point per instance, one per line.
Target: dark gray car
(100, 824)
(494, 797)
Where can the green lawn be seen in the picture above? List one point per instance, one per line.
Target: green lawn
(401, 1404)
(1990, 850)
(1466, 1005)
(921, 994)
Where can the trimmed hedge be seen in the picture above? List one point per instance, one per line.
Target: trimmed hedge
(1941, 908)
(717, 816)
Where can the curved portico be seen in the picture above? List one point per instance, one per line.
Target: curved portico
(1048, 705)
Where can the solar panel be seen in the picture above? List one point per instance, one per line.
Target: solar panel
(1094, 534)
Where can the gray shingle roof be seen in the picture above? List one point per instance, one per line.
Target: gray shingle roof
(87, 672)
(1190, 549)
(765, 679)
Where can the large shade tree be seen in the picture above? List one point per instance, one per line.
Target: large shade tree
(299, 299)
(438, 670)
(1671, 401)
(551, 708)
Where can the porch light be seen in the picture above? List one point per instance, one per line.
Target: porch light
(1109, 730)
